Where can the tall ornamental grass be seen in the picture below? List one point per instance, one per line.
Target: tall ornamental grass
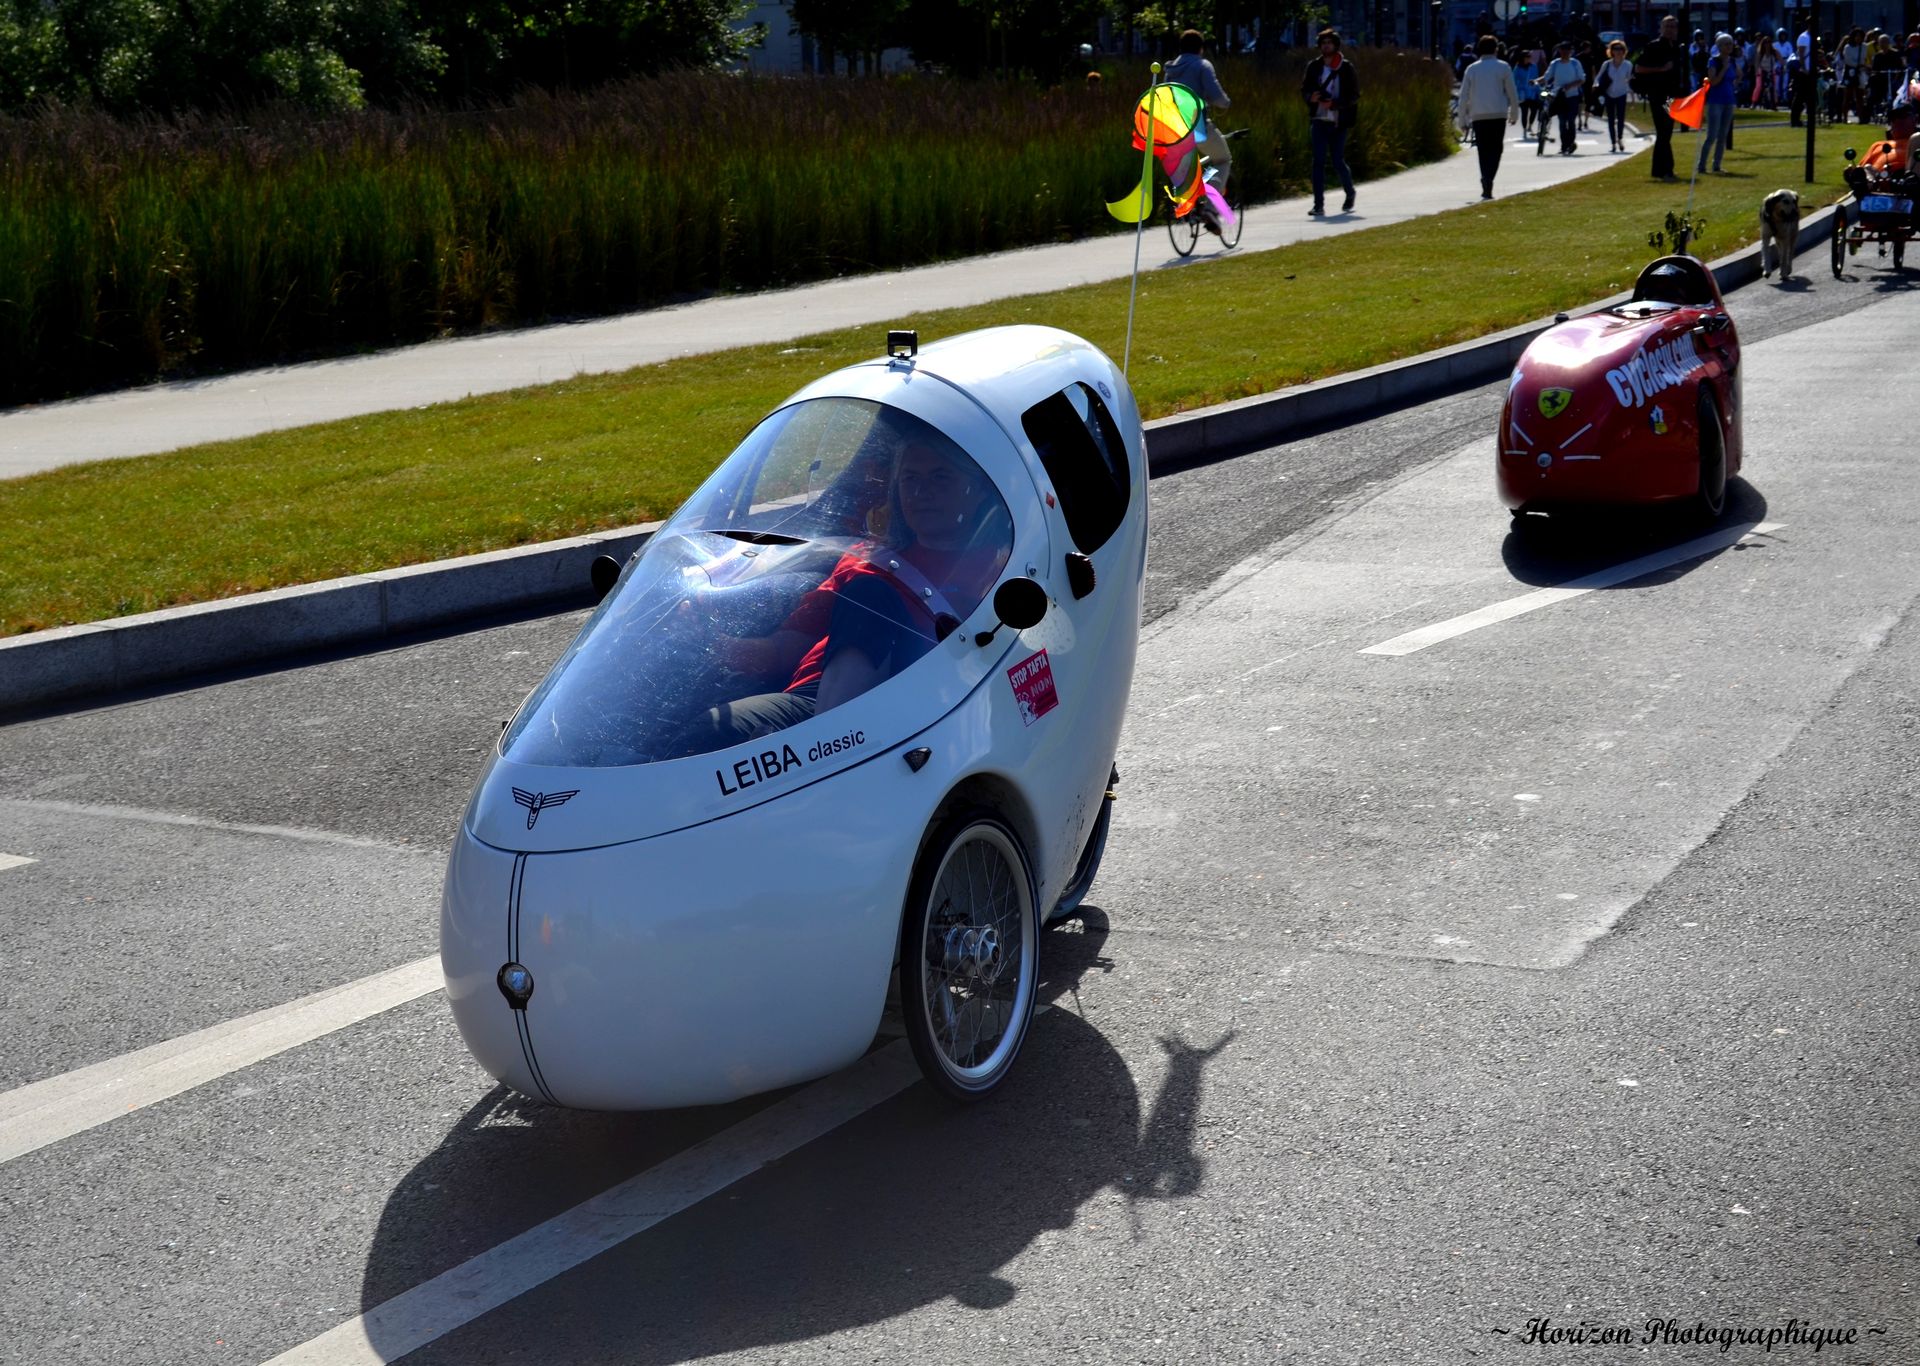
(131, 251)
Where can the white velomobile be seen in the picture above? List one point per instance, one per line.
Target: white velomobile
(856, 703)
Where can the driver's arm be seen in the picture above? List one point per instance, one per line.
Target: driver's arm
(873, 636)
(769, 655)
(847, 674)
(1213, 93)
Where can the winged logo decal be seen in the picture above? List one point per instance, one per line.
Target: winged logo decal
(536, 802)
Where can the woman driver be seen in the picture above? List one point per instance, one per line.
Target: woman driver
(882, 606)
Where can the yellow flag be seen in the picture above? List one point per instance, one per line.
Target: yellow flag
(1137, 206)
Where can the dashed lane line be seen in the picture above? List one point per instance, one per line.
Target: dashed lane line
(44, 1112)
(454, 1298)
(1414, 641)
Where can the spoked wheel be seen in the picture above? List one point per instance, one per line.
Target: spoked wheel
(1184, 233)
(1230, 236)
(1711, 500)
(1839, 241)
(969, 955)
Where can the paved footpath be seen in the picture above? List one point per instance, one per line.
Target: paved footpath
(165, 417)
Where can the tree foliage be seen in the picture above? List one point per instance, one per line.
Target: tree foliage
(163, 56)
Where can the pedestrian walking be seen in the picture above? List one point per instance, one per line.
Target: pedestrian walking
(1331, 89)
(1614, 81)
(1889, 70)
(1487, 104)
(1853, 75)
(1661, 72)
(1526, 79)
(1723, 73)
(1589, 63)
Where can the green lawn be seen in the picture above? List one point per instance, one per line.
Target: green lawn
(122, 536)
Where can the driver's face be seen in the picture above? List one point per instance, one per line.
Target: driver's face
(936, 495)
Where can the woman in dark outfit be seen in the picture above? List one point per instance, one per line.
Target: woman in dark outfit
(1332, 92)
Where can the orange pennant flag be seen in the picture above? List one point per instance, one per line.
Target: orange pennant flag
(1691, 111)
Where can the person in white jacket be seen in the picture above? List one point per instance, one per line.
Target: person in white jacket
(1487, 104)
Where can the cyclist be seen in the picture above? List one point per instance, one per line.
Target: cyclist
(1197, 74)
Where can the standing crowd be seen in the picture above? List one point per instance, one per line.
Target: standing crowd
(1862, 76)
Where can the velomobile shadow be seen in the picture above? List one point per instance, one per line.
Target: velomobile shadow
(1546, 551)
(915, 1202)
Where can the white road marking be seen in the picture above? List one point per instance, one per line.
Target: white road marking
(454, 1298)
(285, 832)
(47, 1111)
(14, 861)
(1546, 597)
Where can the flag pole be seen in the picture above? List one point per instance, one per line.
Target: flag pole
(1699, 156)
(1140, 224)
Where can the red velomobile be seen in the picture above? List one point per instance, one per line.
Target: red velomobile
(1634, 404)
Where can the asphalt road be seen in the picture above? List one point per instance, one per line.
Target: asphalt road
(1564, 969)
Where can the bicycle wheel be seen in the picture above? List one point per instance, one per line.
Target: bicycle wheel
(1839, 241)
(1184, 233)
(1230, 236)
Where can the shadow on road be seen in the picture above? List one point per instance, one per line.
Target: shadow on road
(916, 1202)
(1552, 550)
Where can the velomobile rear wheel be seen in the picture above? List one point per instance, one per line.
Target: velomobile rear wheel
(1839, 241)
(969, 955)
(1711, 500)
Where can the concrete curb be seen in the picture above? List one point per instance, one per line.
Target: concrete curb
(74, 662)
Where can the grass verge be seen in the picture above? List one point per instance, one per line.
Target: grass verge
(102, 540)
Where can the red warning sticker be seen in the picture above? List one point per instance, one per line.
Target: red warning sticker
(1032, 680)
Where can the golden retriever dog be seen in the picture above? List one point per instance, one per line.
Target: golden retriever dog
(1779, 230)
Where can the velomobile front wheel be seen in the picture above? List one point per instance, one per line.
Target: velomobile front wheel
(968, 958)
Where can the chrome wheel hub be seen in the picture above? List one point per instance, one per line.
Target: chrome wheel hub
(972, 953)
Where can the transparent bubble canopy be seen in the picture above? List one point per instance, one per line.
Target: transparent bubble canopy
(830, 552)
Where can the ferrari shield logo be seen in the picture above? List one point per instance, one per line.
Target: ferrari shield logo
(1553, 402)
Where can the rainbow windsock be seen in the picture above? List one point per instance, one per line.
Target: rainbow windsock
(1169, 120)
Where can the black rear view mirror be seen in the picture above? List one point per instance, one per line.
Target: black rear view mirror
(1018, 603)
